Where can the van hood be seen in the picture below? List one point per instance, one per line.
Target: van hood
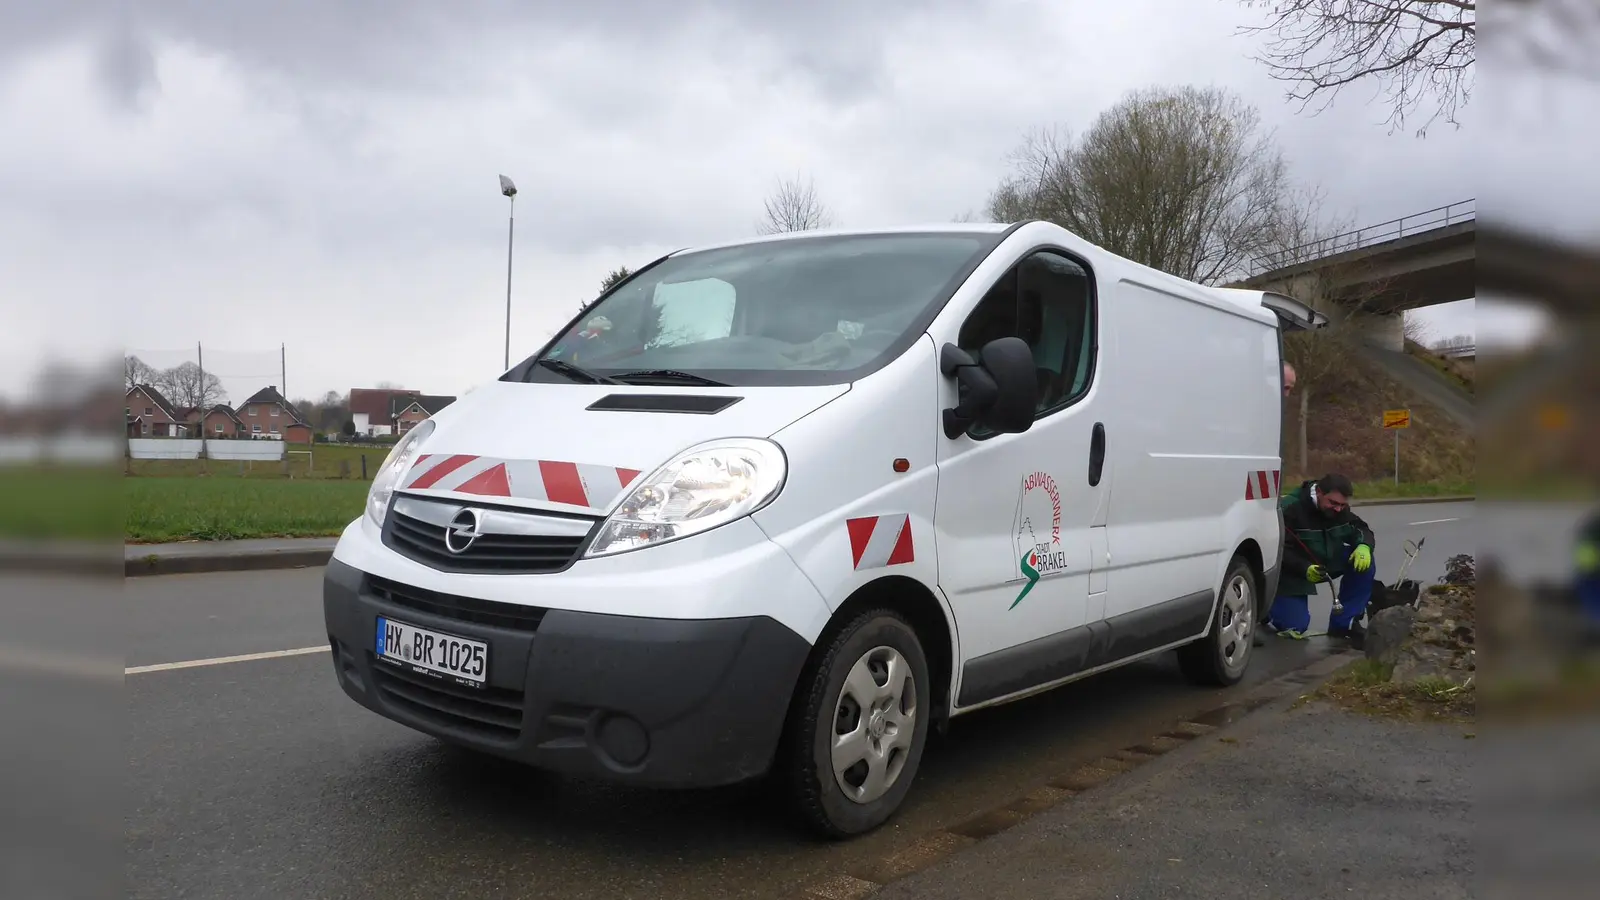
(575, 448)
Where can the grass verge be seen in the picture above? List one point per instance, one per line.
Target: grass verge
(1364, 687)
(1388, 490)
(219, 509)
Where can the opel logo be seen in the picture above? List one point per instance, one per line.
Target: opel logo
(462, 531)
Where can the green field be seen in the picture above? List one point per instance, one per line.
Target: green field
(66, 503)
(217, 509)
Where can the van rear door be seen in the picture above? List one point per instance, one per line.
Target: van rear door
(1292, 314)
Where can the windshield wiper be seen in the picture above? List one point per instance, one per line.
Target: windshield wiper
(673, 375)
(576, 372)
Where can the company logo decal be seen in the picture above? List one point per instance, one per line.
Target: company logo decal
(1037, 530)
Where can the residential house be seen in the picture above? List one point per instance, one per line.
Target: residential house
(149, 414)
(268, 416)
(418, 409)
(385, 411)
(221, 421)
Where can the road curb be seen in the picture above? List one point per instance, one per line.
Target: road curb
(249, 561)
(1412, 501)
(867, 878)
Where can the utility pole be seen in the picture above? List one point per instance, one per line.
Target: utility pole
(283, 371)
(200, 402)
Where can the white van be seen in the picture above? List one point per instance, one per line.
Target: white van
(788, 504)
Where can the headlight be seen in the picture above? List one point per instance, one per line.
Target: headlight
(394, 466)
(703, 487)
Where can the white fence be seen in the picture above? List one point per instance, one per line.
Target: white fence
(189, 448)
(69, 448)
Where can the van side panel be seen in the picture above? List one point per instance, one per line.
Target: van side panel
(847, 517)
(1196, 418)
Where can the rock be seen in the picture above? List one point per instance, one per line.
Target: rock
(1419, 661)
(1388, 633)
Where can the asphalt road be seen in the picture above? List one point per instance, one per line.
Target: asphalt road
(261, 779)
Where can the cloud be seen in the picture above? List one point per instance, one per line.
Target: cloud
(322, 174)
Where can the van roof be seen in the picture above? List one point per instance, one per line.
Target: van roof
(940, 228)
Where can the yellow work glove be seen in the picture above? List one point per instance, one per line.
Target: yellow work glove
(1588, 558)
(1362, 558)
(1316, 575)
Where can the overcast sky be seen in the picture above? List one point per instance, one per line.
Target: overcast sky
(321, 173)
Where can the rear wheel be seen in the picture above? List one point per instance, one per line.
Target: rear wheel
(1221, 657)
(859, 725)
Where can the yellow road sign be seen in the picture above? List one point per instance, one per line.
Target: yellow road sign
(1397, 418)
(1553, 417)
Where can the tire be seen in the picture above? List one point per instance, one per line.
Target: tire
(880, 642)
(1221, 658)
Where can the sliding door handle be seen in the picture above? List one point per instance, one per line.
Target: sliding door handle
(1097, 454)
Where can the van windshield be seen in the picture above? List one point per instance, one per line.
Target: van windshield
(807, 310)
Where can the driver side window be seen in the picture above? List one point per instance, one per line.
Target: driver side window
(1047, 299)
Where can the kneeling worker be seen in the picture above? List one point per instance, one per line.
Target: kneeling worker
(1323, 540)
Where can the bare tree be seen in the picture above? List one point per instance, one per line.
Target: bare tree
(136, 371)
(1417, 51)
(1183, 180)
(1317, 356)
(185, 386)
(794, 206)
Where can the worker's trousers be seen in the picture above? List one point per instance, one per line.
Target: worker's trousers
(1588, 588)
(1291, 613)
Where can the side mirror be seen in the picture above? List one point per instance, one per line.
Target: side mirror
(1002, 392)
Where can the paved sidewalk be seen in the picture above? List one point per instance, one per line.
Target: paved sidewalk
(1303, 803)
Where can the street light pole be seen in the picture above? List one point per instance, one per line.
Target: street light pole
(510, 191)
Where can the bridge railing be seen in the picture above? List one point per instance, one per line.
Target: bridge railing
(1394, 229)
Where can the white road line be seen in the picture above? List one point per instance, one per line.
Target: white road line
(224, 660)
(1437, 521)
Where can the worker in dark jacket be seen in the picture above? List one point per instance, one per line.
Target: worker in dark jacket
(1323, 541)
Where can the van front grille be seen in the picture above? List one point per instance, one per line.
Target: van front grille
(506, 542)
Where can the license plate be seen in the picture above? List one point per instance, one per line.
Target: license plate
(432, 653)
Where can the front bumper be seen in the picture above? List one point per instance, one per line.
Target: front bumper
(656, 702)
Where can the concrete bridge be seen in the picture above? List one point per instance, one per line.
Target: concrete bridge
(1382, 270)
(1562, 277)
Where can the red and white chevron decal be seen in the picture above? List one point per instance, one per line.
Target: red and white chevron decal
(879, 541)
(1263, 484)
(578, 484)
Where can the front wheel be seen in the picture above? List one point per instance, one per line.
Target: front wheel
(1221, 657)
(859, 725)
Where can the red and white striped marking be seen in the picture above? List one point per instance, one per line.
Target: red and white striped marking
(879, 541)
(577, 484)
(1263, 484)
